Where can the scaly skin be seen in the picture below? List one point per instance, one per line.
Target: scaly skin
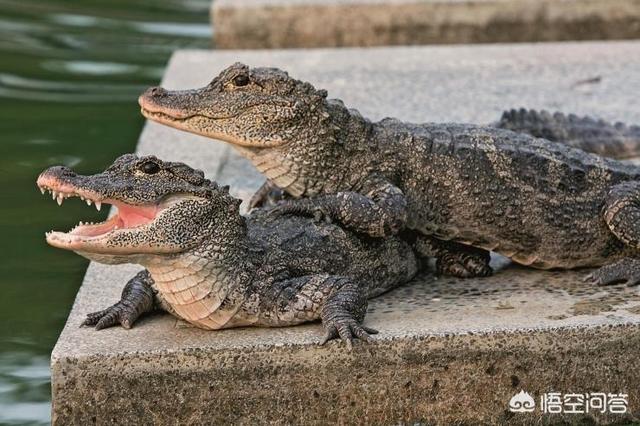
(534, 201)
(208, 265)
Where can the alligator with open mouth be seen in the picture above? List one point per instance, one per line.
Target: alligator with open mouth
(469, 189)
(210, 266)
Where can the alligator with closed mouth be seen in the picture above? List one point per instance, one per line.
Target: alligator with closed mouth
(212, 267)
(469, 189)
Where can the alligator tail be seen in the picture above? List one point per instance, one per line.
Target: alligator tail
(617, 140)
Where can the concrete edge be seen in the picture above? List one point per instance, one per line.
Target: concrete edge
(427, 375)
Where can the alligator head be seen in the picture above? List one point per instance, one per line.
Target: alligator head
(161, 208)
(250, 107)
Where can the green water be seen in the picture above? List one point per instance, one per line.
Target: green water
(70, 73)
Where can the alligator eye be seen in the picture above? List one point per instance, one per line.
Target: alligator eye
(150, 167)
(240, 80)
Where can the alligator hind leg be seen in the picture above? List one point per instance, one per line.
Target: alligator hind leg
(137, 298)
(622, 215)
(455, 259)
(626, 270)
(338, 301)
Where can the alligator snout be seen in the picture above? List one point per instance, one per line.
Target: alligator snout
(57, 172)
(157, 100)
(59, 180)
(151, 96)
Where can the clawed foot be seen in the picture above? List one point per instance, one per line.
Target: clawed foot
(120, 313)
(266, 198)
(257, 200)
(347, 329)
(465, 266)
(626, 270)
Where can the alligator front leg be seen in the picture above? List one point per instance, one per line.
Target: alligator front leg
(344, 311)
(455, 259)
(137, 298)
(338, 301)
(379, 209)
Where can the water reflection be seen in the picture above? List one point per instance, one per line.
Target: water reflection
(16, 87)
(164, 28)
(70, 73)
(24, 388)
(90, 68)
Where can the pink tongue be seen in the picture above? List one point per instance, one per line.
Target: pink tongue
(132, 216)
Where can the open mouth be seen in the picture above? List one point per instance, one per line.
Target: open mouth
(126, 217)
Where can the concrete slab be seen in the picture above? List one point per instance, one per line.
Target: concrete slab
(450, 351)
(253, 24)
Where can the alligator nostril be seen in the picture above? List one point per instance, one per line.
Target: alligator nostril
(63, 171)
(157, 91)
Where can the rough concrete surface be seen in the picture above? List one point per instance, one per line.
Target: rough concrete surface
(252, 24)
(449, 351)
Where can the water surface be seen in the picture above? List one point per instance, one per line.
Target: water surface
(70, 73)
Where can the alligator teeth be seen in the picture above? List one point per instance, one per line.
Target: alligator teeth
(59, 199)
(54, 194)
(42, 190)
(98, 205)
(88, 201)
(82, 198)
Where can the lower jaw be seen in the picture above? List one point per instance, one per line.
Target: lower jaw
(109, 259)
(72, 242)
(182, 124)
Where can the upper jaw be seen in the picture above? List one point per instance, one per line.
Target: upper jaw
(89, 236)
(165, 113)
(61, 190)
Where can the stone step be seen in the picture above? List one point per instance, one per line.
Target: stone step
(259, 24)
(449, 351)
